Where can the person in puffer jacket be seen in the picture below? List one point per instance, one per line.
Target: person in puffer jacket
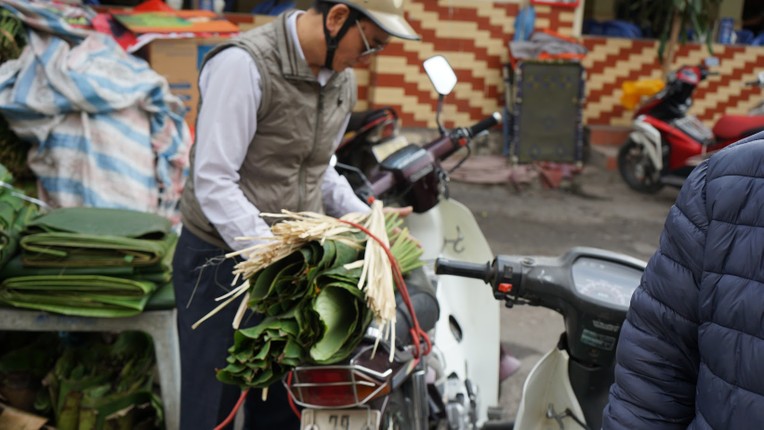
(691, 352)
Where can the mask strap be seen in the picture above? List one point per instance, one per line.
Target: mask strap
(333, 42)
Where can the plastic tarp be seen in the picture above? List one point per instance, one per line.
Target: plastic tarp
(105, 129)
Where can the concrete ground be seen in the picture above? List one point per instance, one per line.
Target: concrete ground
(598, 211)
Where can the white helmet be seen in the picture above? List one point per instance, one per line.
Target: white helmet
(387, 14)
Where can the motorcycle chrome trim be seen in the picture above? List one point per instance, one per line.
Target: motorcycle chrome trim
(420, 408)
(650, 138)
(358, 374)
(295, 388)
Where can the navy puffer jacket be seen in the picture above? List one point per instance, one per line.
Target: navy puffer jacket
(691, 353)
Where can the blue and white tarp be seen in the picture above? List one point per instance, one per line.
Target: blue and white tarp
(106, 131)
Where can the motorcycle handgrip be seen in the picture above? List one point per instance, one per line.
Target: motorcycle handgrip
(464, 269)
(383, 183)
(485, 124)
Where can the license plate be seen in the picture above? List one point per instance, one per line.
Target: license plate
(340, 419)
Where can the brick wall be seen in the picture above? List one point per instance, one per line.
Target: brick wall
(612, 61)
(474, 36)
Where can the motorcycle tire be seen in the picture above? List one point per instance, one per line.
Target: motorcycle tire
(636, 169)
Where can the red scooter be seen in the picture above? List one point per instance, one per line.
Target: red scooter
(666, 144)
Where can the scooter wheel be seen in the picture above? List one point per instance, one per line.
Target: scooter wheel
(636, 168)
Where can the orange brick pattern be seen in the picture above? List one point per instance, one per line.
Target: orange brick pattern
(474, 37)
(612, 61)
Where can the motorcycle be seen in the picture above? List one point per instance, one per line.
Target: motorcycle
(759, 82)
(666, 144)
(453, 385)
(591, 288)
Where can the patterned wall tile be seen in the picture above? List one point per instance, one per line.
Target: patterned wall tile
(611, 62)
(474, 37)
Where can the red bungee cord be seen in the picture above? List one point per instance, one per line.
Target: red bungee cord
(417, 334)
(232, 415)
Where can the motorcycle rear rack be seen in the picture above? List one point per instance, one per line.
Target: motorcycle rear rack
(364, 384)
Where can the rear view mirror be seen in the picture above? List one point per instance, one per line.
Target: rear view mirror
(441, 74)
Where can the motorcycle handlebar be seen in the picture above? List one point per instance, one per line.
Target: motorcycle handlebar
(444, 146)
(485, 124)
(439, 149)
(484, 272)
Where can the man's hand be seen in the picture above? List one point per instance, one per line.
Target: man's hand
(402, 212)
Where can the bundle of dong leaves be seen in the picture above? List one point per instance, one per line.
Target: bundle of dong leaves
(105, 385)
(15, 213)
(83, 381)
(13, 150)
(313, 310)
(92, 262)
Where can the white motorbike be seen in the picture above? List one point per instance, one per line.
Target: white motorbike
(452, 386)
(591, 288)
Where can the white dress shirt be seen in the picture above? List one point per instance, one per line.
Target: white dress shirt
(231, 91)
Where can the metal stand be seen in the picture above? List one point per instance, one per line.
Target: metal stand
(161, 325)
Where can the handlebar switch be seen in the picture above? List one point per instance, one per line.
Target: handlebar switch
(365, 193)
(508, 281)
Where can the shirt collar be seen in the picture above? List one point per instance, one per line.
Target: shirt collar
(324, 74)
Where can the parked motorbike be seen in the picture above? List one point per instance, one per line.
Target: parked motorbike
(759, 82)
(591, 288)
(453, 385)
(667, 144)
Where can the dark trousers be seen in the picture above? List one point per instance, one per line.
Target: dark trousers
(201, 274)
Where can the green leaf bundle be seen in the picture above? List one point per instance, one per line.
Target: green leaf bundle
(96, 237)
(102, 385)
(306, 283)
(14, 215)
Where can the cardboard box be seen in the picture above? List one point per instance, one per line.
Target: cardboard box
(12, 418)
(179, 61)
(248, 21)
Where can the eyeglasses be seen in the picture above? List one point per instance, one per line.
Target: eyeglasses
(369, 50)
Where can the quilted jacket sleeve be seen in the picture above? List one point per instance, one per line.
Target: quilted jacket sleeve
(657, 356)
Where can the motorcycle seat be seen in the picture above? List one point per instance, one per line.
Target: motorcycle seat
(424, 302)
(737, 126)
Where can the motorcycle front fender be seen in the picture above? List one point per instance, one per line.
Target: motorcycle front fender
(547, 394)
(649, 138)
(467, 332)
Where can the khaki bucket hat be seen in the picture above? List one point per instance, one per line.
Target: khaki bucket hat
(387, 14)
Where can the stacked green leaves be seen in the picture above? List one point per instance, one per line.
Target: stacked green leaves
(91, 262)
(314, 311)
(96, 237)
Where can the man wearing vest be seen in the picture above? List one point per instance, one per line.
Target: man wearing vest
(274, 105)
